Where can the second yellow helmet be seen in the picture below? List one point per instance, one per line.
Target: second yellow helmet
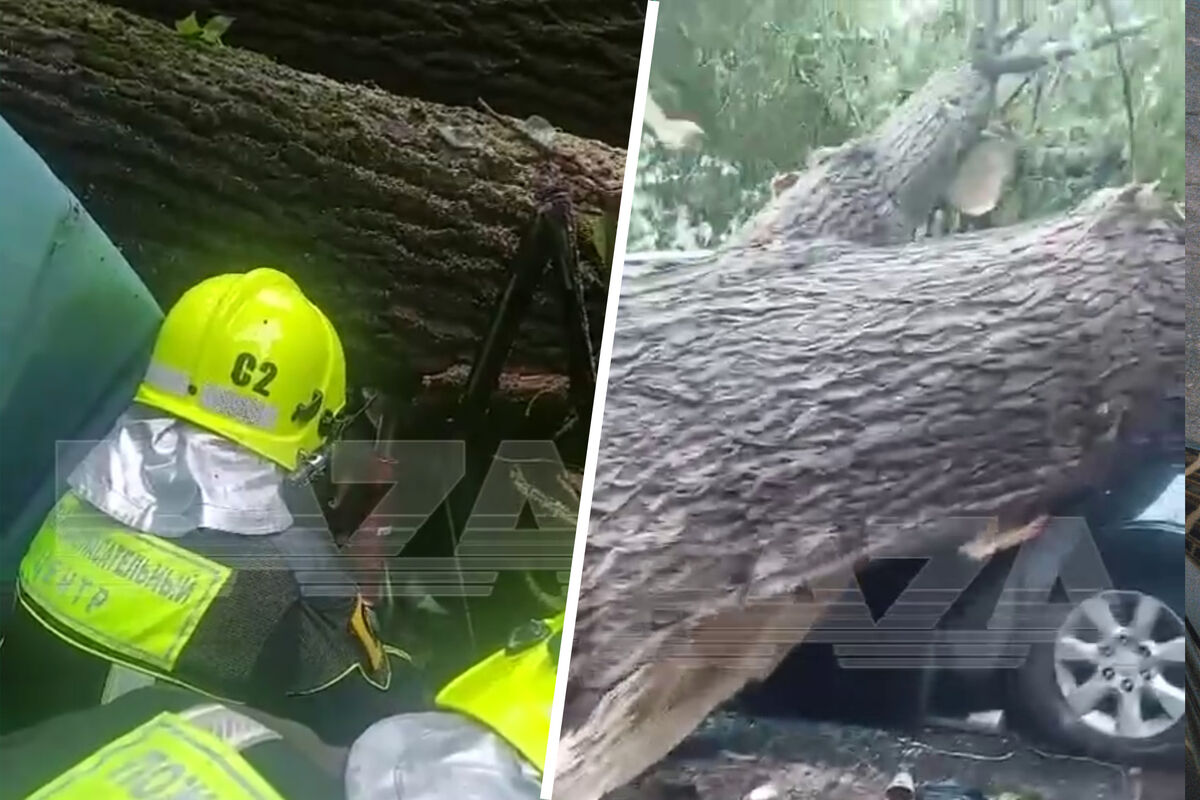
(513, 692)
(248, 356)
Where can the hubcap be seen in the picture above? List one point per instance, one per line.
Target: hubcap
(1119, 659)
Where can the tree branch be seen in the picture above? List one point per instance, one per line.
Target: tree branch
(1052, 52)
(1126, 88)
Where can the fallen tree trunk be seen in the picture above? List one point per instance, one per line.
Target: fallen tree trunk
(573, 62)
(398, 216)
(818, 392)
(880, 188)
(826, 401)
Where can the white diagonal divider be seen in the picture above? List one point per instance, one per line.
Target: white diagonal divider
(610, 319)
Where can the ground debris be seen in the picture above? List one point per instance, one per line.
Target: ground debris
(733, 756)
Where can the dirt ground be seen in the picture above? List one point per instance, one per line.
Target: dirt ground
(732, 755)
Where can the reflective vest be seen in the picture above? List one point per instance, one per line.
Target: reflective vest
(216, 612)
(192, 754)
(162, 743)
(512, 691)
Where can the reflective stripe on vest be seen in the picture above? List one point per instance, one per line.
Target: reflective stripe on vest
(512, 692)
(193, 754)
(168, 607)
(134, 594)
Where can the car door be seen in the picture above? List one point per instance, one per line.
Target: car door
(76, 327)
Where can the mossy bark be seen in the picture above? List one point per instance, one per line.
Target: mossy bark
(398, 216)
(573, 62)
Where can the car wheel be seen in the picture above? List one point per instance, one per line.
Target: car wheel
(1111, 684)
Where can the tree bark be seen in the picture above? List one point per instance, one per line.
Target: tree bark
(780, 411)
(523, 406)
(397, 216)
(1192, 199)
(573, 62)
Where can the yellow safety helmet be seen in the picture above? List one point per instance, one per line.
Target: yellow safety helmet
(248, 356)
(512, 691)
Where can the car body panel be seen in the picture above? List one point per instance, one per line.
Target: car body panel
(76, 327)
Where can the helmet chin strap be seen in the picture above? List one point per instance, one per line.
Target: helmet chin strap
(310, 465)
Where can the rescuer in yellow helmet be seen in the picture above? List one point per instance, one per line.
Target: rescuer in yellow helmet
(486, 738)
(185, 551)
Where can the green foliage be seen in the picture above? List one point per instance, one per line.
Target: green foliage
(210, 33)
(601, 232)
(771, 81)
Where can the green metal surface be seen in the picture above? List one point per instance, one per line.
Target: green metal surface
(76, 326)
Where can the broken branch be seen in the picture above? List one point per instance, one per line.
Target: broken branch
(1052, 52)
